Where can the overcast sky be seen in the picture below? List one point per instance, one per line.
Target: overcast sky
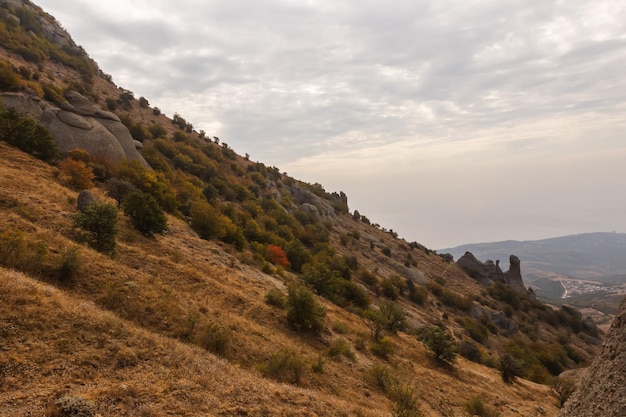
(449, 122)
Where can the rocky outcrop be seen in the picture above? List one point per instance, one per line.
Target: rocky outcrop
(485, 273)
(513, 276)
(489, 272)
(85, 199)
(602, 391)
(78, 123)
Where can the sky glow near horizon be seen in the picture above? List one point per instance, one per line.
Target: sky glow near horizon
(449, 122)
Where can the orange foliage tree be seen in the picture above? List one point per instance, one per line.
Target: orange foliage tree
(277, 256)
(76, 174)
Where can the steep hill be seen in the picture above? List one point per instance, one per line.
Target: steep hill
(219, 314)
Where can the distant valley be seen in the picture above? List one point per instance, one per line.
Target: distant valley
(586, 270)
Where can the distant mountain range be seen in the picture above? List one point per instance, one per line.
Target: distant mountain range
(589, 256)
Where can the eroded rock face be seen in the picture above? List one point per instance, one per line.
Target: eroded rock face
(602, 391)
(488, 272)
(80, 124)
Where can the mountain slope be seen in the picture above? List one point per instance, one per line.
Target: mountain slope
(212, 288)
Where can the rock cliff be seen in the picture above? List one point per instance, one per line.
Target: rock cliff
(602, 391)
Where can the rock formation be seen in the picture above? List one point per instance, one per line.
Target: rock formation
(490, 272)
(78, 123)
(602, 391)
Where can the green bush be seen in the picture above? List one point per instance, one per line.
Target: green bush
(477, 407)
(439, 342)
(383, 376)
(404, 401)
(26, 134)
(382, 347)
(304, 313)
(99, 223)
(9, 80)
(509, 368)
(276, 298)
(418, 295)
(145, 213)
(285, 366)
(341, 347)
(470, 351)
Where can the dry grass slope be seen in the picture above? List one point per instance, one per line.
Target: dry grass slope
(121, 332)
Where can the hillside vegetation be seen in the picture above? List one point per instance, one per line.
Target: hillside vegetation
(210, 284)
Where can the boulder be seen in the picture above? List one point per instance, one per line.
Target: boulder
(85, 199)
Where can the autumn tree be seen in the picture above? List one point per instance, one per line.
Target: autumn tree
(76, 174)
(277, 256)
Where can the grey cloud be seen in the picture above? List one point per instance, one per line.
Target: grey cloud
(289, 81)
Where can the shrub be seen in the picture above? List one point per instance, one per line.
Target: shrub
(341, 347)
(118, 189)
(470, 351)
(477, 407)
(276, 298)
(304, 313)
(13, 248)
(70, 406)
(383, 377)
(26, 134)
(99, 221)
(285, 366)
(563, 388)
(70, 264)
(9, 80)
(145, 213)
(215, 339)
(76, 174)
(404, 401)
(418, 295)
(509, 368)
(439, 342)
(389, 290)
(382, 347)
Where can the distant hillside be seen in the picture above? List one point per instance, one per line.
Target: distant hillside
(589, 256)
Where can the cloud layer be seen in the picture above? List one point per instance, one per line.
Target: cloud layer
(448, 121)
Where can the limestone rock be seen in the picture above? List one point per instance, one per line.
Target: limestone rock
(85, 199)
(74, 120)
(80, 124)
(22, 103)
(82, 105)
(124, 138)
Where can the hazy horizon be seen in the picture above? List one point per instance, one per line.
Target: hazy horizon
(448, 122)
